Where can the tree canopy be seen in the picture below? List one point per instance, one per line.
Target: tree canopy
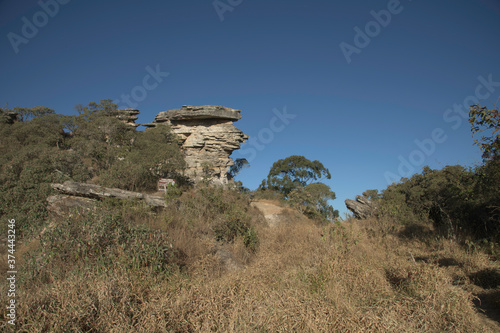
(485, 119)
(292, 172)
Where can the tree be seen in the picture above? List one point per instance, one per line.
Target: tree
(312, 200)
(27, 114)
(293, 172)
(483, 119)
(239, 164)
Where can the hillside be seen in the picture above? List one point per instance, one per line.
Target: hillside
(92, 245)
(368, 275)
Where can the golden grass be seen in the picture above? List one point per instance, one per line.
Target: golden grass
(304, 277)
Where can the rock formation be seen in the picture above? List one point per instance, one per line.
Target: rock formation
(362, 207)
(208, 138)
(63, 205)
(96, 191)
(128, 116)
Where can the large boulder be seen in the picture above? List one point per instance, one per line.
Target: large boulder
(96, 191)
(208, 137)
(362, 207)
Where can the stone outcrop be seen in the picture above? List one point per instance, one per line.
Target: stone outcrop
(63, 205)
(96, 191)
(362, 207)
(128, 116)
(208, 137)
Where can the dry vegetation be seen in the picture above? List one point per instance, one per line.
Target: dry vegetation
(301, 276)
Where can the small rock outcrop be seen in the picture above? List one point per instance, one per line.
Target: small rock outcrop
(96, 191)
(128, 116)
(208, 138)
(362, 207)
(63, 205)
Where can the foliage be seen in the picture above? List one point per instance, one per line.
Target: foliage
(26, 114)
(294, 179)
(32, 157)
(483, 119)
(151, 155)
(453, 198)
(312, 200)
(39, 151)
(293, 172)
(103, 239)
(226, 210)
(239, 164)
(373, 195)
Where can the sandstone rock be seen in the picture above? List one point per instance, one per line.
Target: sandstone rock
(62, 205)
(208, 138)
(128, 116)
(199, 112)
(362, 207)
(96, 191)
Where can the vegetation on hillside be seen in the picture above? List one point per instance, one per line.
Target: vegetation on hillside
(43, 148)
(211, 262)
(297, 180)
(461, 203)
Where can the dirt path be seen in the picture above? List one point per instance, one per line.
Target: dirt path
(271, 211)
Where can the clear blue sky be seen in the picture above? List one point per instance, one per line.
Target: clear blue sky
(355, 101)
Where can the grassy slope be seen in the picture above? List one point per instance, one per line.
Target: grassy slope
(361, 276)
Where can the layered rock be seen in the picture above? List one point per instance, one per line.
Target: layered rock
(9, 117)
(128, 116)
(208, 138)
(362, 207)
(97, 192)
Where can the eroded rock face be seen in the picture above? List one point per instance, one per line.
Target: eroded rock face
(362, 207)
(208, 138)
(128, 116)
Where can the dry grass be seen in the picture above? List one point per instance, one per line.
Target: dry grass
(355, 277)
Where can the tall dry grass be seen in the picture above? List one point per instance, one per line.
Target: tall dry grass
(303, 277)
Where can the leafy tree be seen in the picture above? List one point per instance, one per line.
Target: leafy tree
(27, 114)
(483, 119)
(312, 200)
(293, 172)
(100, 136)
(33, 155)
(372, 195)
(239, 164)
(151, 155)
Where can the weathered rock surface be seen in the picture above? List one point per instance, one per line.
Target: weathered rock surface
(362, 207)
(62, 205)
(96, 191)
(128, 116)
(208, 138)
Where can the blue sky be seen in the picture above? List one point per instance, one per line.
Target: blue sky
(372, 89)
